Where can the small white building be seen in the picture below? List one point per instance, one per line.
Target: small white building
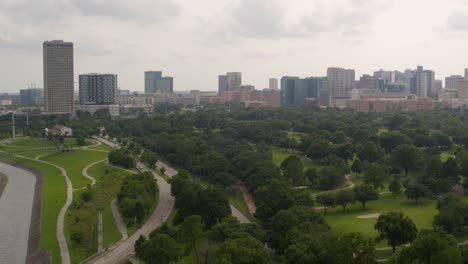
(60, 130)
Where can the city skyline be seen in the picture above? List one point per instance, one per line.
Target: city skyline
(262, 39)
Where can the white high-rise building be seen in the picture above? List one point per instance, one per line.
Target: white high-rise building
(98, 89)
(58, 76)
(340, 82)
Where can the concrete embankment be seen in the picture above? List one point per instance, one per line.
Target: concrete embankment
(26, 187)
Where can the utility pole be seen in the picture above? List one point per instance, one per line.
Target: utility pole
(13, 124)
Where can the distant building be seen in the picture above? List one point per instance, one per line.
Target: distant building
(295, 91)
(273, 84)
(31, 97)
(222, 83)
(234, 80)
(387, 103)
(156, 83)
(387, 76)
(58, 76)
(463, 90)
(423, 83)
(98, 89)
(367, 82)
(340, 82)
(452, 82)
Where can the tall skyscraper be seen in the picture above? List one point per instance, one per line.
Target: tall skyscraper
(98, 89)
(466, 73)
(423, 83)
(58, 76)
(151, 79)
(295, 91)
(31, 97)
(222, 83)
(156, 83)
(234, 80)
(273, 84)
(340, 82)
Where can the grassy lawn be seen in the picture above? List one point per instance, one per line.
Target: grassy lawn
(444, 156)
(279, 156)
(295, 135)
(82, 216)
(73, 162)
(53, 198)
(346, 222)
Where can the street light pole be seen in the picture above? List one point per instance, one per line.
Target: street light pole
(13, 124)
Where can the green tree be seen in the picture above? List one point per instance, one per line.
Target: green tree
(406, 156)
(376, 175)
(431, 247)
(160, 249)
(416, 191)
(149, 158)
(365, 193)
(345, 151)
(327, 200)
(191, 230)
(319, 149)
(345, 197)
(330, 178)
(396, 228)
(293, 169)
(357, 166)
(395, 187)
(449, 219)
(242, 251)
(451, 170)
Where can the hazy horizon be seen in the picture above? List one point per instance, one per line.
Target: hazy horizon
(194, 42)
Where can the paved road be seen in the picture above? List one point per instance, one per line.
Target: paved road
(15, 213)
(169, 170)
(160, 215)
(118, 219)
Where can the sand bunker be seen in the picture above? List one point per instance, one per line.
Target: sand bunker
(368, 216)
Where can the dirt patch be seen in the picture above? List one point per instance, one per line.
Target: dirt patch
(369, 216)
(248, 198)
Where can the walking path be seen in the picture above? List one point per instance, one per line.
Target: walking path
(118, 219)
(85, 171)
(64, 252)
(349, 181)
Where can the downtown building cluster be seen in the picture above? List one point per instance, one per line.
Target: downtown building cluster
(408, 90)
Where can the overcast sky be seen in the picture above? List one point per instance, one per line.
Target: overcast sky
(196, 40)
